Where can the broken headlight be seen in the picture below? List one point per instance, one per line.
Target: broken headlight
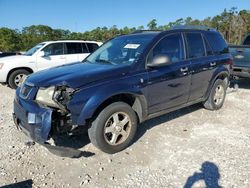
(45, 96)
(63, 95)
(55, 96)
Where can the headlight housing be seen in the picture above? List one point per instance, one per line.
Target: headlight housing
(45, 96)
(57, 97)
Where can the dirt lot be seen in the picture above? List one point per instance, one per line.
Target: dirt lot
(191, 147)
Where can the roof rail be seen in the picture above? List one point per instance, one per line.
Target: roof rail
(144, 31)
(199, 27)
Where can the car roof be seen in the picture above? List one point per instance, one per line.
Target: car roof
(170, 31)
(58, 41)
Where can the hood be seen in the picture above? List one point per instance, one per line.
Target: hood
(76, 75)
(14, 58)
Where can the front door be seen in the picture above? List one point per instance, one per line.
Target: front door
(168, 86)
(53, 56)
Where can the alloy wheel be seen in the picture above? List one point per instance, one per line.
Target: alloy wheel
(117, 128)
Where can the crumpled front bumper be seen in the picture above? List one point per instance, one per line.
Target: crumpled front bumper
(34, 120)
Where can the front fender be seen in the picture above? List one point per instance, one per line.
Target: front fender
(99, 97)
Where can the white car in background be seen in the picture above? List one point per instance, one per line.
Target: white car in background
(44, 55)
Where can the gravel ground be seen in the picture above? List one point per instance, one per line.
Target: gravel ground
(192, 147)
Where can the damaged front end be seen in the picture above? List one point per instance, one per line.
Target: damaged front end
(42, 113)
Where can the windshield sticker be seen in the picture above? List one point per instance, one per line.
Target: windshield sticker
(132, 46)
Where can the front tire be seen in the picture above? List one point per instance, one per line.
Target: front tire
(217, 96)
(16, 78)
(114, 128)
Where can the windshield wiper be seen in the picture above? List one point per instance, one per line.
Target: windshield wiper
(104, 61)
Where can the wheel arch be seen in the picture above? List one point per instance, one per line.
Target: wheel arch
(223, 75)
(137, 103)
(18, 68)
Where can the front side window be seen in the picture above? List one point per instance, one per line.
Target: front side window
(170, 46)
(31, 51)
(195, 45)
(121, 50)
(53, 49)
(73, 48)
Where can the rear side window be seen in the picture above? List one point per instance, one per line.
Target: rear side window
(84, 48)
(171, 46)
(74, 48)
(195, 45)
(53, 49)
(92, 47)
(217, 43)
(247, 40)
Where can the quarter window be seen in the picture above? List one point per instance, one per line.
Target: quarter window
(171, 46)
(217, 43)
(53, 49)
(195, 45)
(92, 47)
(209, 50)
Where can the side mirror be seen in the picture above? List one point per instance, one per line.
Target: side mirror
(159, 61)
(41, 54)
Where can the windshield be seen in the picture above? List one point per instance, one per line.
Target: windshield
(121, 50)
(31, 51)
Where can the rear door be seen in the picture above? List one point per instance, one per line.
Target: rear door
(54, 56)
(73, 51)
(168, 86)
(203, 62)
(85, 52)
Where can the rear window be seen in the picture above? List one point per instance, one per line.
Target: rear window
(217, 43)
(74, 48)
(247, 40)
(92, 47)
(195, 45)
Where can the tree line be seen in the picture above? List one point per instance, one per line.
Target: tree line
(233, 25)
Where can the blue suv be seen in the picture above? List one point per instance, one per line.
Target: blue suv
(129, 79)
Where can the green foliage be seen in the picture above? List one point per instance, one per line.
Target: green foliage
(10, 40)
(233, 24)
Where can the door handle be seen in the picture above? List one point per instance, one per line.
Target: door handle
(62, 57)
(184, 69)
(212, 64)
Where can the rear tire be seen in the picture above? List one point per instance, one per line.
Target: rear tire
(114, 128)
(217, 95)
(16, 77)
